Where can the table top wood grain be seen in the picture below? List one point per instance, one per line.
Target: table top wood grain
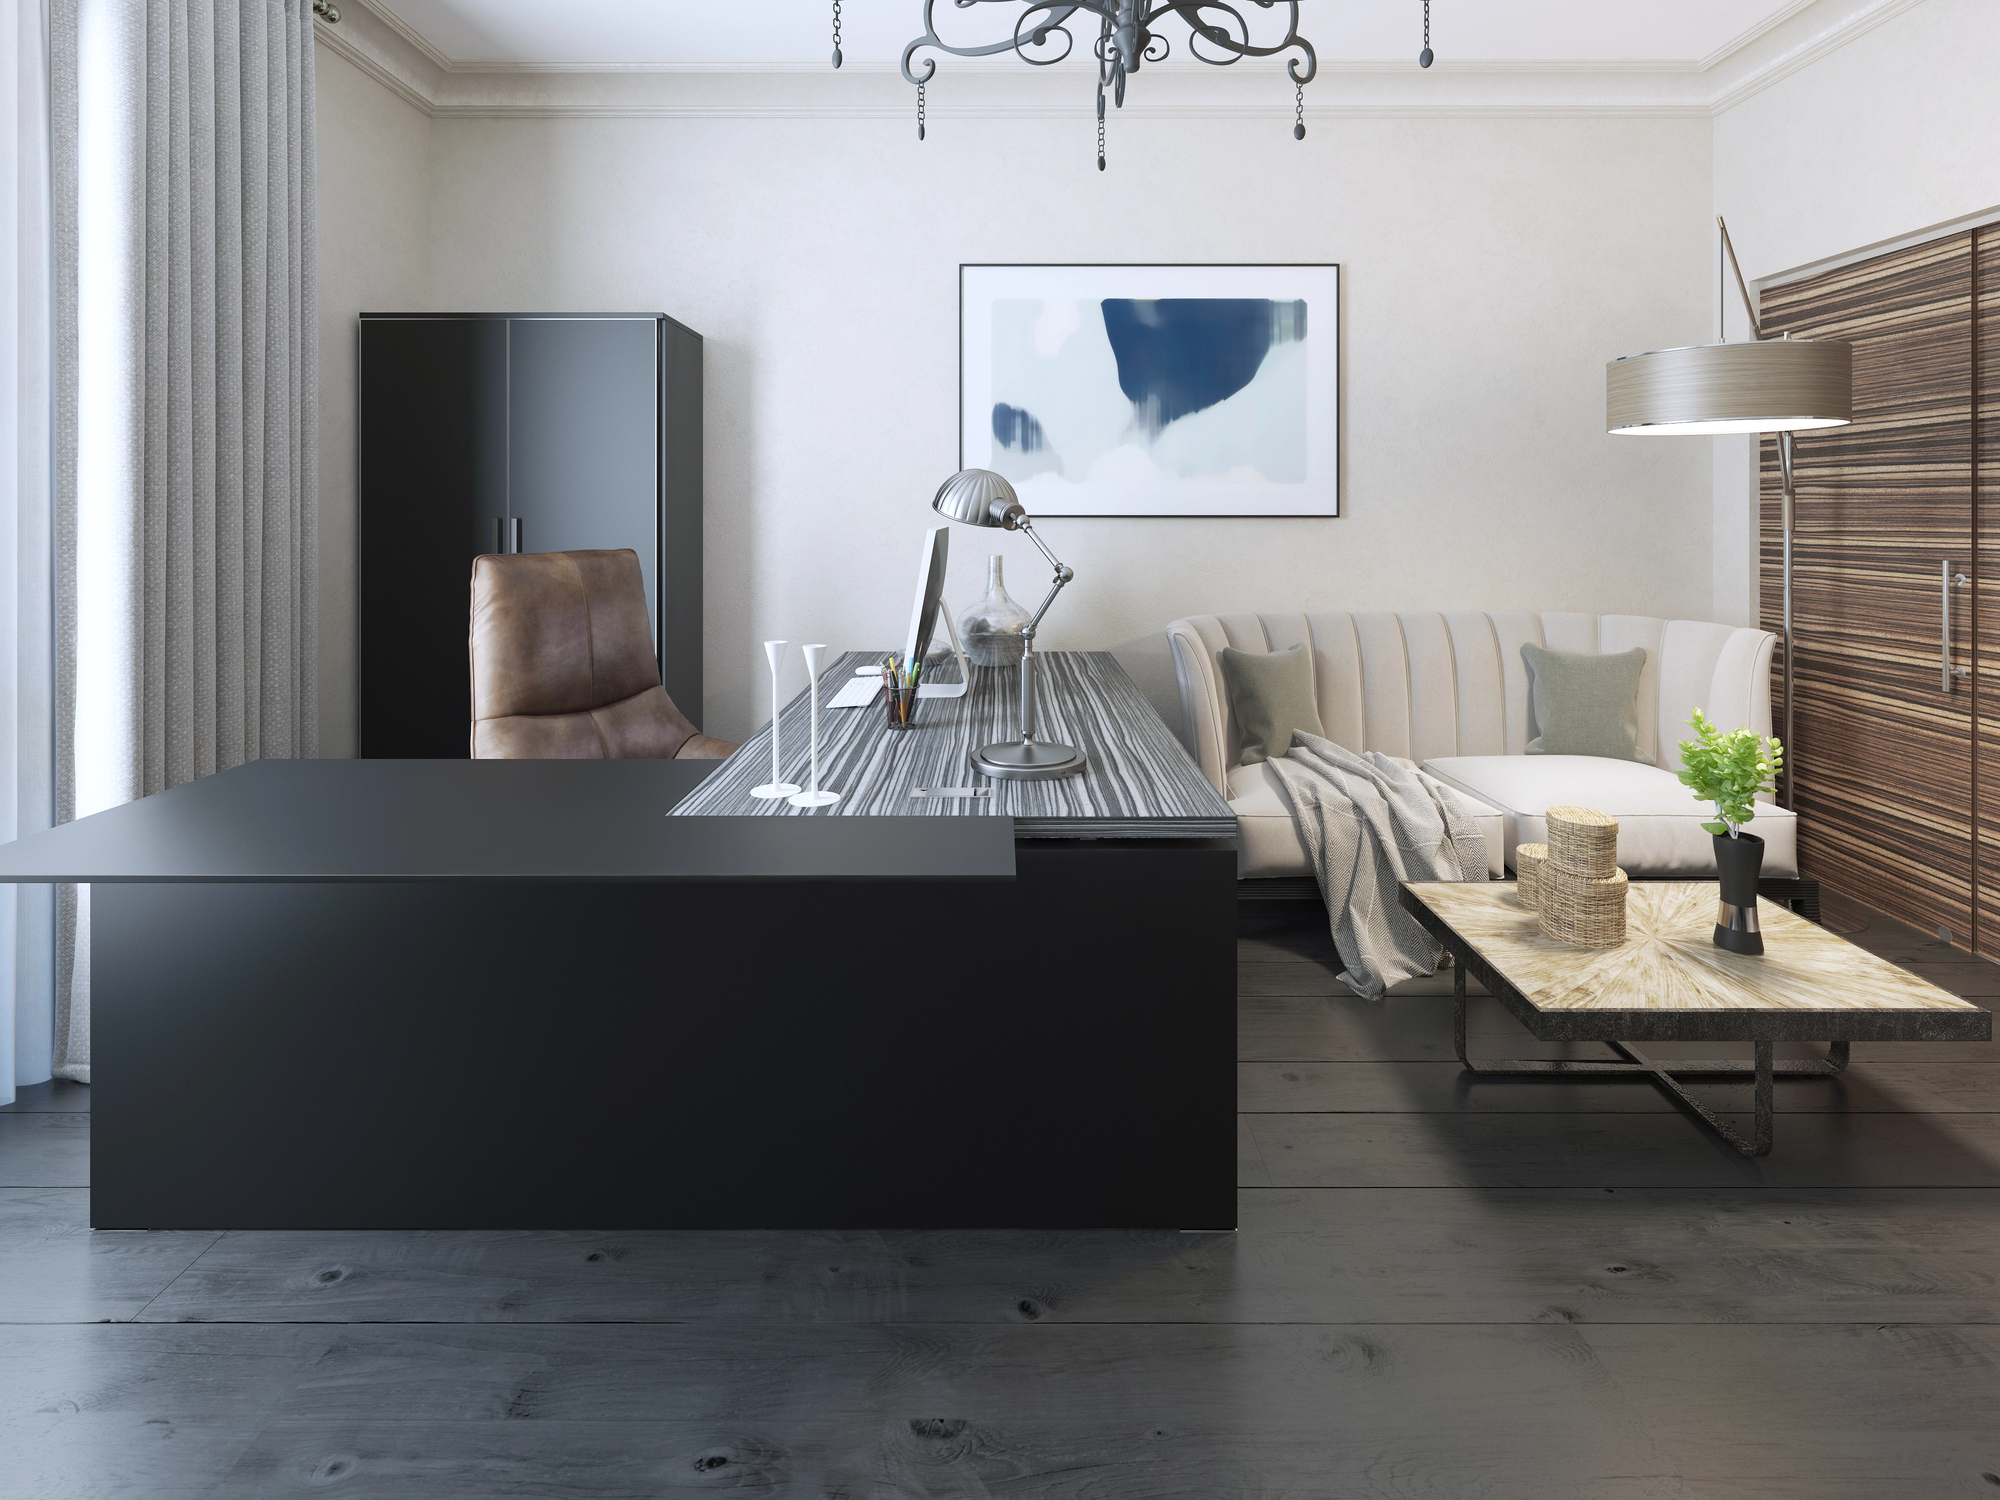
(1140, 782)
(1807, 982)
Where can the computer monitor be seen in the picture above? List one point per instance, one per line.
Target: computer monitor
(931, 561)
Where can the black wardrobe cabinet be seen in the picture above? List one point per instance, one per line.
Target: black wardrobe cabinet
(513, 432)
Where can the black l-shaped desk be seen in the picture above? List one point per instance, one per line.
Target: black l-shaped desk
(516, 994)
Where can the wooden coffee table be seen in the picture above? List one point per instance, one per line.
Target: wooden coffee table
(1668, 982)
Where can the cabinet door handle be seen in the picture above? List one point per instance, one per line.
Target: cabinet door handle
(517, 536)
(1947, 673)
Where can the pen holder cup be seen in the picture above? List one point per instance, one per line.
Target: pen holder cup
(902, 706)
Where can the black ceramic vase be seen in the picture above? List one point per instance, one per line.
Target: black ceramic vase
(1739, 862)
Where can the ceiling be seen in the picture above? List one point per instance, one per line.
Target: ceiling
(1687, 33)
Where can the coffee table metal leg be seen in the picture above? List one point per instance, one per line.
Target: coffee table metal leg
(1766, 1099)
(1458, 1008)
(1661, 1071)
(1763, 1067)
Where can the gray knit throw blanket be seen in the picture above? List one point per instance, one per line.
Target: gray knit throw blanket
(1369, 823)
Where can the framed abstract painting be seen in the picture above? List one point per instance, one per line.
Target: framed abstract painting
(1153, 390)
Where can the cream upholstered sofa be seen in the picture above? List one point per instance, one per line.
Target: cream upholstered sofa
(1450, 692)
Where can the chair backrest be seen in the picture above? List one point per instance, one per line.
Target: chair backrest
(562, 660)
(1424, 685)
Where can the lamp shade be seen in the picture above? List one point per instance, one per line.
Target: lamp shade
(1774, 385)
(979, 497)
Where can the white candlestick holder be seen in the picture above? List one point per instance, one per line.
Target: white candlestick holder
(777, 786)
(813, 796)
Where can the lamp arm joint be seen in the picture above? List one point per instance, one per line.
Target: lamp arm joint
(1063, 576)
(1056, 588)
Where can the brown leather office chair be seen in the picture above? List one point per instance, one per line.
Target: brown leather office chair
(563, 665)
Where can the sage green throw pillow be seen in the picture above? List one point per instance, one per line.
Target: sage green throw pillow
(1272, 694)
(1585, 704)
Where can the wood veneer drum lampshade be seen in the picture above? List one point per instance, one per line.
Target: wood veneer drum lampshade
(1772, 385)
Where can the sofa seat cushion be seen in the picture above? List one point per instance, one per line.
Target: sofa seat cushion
(1659, 821)
(1267, 841)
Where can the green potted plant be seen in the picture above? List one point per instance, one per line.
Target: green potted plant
(1730, 770)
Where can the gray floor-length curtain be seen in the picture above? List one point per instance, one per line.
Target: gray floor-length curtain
(27, 786)
(185, 367)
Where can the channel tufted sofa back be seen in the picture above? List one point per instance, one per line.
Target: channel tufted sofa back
(1424, 686)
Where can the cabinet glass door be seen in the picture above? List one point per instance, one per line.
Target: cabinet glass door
(583, 427)
(433, 483)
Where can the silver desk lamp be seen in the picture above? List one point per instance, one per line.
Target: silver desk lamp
(1783, 385)
(979, 497)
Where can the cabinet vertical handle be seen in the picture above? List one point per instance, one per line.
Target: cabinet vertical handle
(498, 546)
(517, 536)
(1947, 673)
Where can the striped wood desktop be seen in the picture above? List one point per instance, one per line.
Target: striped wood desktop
(1140, 782)
(1885, 759)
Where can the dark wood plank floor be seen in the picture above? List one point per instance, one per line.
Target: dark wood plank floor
(1442, 1287)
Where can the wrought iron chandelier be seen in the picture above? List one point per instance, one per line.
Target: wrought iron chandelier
(1126, 40)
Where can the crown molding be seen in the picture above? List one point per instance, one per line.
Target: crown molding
(414, 39)
(1798, 53)
(382, 47)
(1743, 40)
(1003, 64)
(385, 47)
(1078, 113)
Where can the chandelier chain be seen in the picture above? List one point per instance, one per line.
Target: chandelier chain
(836, 33)
(920, 111)
(1426, 57)
(1299, 129)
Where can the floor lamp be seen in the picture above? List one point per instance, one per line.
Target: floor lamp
(1782, 385)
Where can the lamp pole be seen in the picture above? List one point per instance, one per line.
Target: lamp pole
(1788, 505)
(1063, 576)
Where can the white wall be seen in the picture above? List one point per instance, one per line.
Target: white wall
(1893, 133)
(374, 255)
(1491, 266)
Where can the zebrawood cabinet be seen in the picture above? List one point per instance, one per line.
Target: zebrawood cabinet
(1896, 598)
(1985, 614)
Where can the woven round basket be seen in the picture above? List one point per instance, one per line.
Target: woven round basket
(1583, 841)
(1528, 862)
(1582, 912)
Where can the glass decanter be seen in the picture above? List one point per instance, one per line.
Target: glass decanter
(992, 628)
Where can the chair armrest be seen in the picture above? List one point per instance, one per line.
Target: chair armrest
(704, 747)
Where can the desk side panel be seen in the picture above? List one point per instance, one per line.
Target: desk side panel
(1056, 1051)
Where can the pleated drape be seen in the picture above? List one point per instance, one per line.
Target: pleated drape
(27, 793)
(186, 368)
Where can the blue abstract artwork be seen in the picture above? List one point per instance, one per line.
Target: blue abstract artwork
(1166, 404)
